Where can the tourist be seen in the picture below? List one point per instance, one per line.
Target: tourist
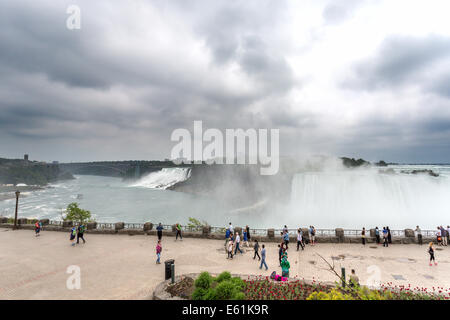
(300, 239)
(158, 252)
(244, 234)
(377, 235)
(248, 233)
(230, 249)
(178, 230)
(73, 233)
(256, 249)
(389, 235)
(80, 234)
(312, 235)
(431, 252)
(444, 236)
(227, 236)
(286, 239)
(37, 228)
(363, 236)
(354, 280)
(263, 258)
(237, 241)
(448, 234)
(419, 235)
(231, 228)
(159, 229)
(280, 253)
(385, 237)
(285, 229)
(439, 237)
(285, 265)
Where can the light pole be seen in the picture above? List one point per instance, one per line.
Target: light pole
(17, 207)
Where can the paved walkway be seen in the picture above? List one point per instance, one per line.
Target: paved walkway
(123, 267)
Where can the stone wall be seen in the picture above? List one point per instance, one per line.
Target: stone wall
(205, 233)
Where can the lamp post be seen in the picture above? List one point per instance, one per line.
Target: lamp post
(17, 207)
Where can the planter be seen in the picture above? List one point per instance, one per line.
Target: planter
(92, 225)
(148, 226)
(67, 224)
(119, 226)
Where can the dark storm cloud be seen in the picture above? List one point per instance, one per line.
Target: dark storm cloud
(401, 60)
(64, 84)
(116, 88)
(338, 11)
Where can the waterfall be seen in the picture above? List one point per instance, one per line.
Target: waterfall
(366, 198)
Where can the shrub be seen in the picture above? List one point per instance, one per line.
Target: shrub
(203, 281)
(223, 276)
(334, 294)
(76, 214)
(199, 294)
(225, 290)
(239, 296)
(238, 283)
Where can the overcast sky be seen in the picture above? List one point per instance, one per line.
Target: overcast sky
(365, 79)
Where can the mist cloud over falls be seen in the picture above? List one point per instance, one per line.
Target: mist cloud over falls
(329, 75)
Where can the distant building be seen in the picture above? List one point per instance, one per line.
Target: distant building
(55, 162)
(25, 157)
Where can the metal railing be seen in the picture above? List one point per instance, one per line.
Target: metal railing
(322, 233)
(105, 226)
(134, 226)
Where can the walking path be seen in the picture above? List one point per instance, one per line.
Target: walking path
(123, 267)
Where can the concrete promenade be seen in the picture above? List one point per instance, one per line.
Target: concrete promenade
(123, 266)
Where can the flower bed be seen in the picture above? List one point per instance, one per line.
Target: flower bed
(226, 286)
(266, 289)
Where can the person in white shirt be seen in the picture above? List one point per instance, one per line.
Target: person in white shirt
(300, 239)
(231, 228)
(419, 235)
(237, 242)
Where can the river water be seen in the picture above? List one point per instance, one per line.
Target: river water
(327, 199)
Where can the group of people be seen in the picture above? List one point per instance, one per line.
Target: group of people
(442, 235)
(233, 246)
(233, 240)
(385, 234)
(77, 232)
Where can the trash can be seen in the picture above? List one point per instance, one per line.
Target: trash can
(168, 268)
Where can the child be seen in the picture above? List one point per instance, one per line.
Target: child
(431, 252)
(73, 234)
(158, 252)
(230, 249)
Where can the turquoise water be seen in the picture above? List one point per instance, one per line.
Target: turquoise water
(329, 199)
(112, 200)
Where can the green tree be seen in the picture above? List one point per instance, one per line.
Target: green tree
(76, 214)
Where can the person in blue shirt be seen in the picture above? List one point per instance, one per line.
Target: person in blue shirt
(244, 234)
(159, 229)
(385, 237)
(227, 237)
(286, 239)
(263, 258)
(73, 233)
